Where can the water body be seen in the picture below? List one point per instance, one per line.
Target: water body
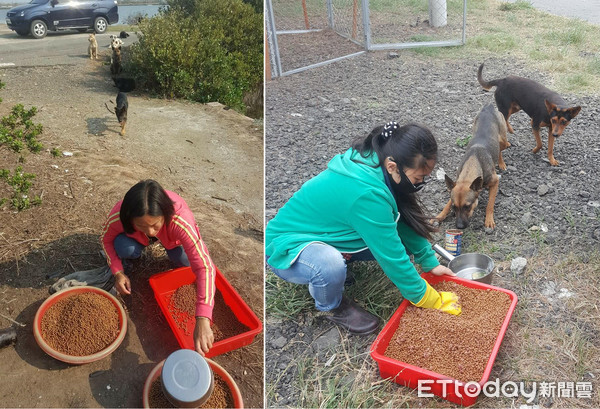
(125, 12)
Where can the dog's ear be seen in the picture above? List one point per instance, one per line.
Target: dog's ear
(550, 106)
(574, 111)
(477, 184)
(449, 182)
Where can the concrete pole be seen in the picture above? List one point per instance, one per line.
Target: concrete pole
(438, 17)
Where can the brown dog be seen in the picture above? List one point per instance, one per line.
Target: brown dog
(545, 107)
(93, 47)
(478, 169)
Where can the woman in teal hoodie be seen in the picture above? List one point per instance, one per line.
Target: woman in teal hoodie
(363, 206)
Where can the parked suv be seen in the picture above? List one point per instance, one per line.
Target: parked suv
(39, 16)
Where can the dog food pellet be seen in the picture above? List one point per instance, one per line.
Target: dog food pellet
(81, 324)
(456, 346)
(182, 307)
(221, 396)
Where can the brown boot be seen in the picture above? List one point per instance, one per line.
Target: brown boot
(355, 319)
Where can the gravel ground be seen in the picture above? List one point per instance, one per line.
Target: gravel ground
(316, 114)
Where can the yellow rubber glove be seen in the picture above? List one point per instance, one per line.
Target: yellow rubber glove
(444, 301)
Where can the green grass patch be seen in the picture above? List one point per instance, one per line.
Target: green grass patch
(463, 141)
(518, 5)
(285, 300)
(495, 42)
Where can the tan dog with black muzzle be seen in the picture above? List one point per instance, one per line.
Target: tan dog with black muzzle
(478, 169)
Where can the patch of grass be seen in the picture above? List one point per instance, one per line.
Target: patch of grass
(569, 217)
(495, 42)
(55, 152)
(594, 66)
(569, 36)
(373, 289)
(516, 6)
(555, 45)
(425, 50)
(285, 300)
(463, 141)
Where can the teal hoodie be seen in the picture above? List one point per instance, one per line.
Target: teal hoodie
(350, 207)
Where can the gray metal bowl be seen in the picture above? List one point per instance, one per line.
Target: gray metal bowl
(472, 266)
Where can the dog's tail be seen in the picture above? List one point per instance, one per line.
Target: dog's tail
(106, 105)
(487, 85)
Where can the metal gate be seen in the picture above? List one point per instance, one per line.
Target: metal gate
(303, 34)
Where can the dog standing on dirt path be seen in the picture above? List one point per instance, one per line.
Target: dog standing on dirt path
(478, 169)
(120, 110)
(545, 107)
(93, 47)
(115, 64)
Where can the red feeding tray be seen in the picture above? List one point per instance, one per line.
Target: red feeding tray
(409, 375)
(165, 284)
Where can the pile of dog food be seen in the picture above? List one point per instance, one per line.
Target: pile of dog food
(456, 346)
(182, 307)
(221, 396)
(81, 324)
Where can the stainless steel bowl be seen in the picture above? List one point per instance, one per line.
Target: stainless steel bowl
(472, 266)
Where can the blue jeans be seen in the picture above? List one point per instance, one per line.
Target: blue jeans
(128, 248)
(323, 268)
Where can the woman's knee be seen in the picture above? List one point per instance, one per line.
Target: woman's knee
(329, 266)
(126, 247)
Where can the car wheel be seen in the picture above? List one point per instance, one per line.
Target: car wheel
(100, 25)
(22, 33)
(38, 29)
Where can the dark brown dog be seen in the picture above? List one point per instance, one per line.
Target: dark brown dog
(478, 169)
(545, 107)
(115, 62)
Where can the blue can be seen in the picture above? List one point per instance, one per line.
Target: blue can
(453, 241)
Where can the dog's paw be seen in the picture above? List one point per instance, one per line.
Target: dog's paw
(489, 223)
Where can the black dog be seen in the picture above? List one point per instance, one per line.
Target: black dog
(123, 34)
(124, 84)
(120, 110)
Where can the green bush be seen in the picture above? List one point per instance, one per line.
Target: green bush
(17, 132)
(20, 182)
(202, 50)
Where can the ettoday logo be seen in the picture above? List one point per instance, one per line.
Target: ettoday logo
(508, 389)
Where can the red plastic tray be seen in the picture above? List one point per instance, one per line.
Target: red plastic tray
(409, 375)
(164, 284)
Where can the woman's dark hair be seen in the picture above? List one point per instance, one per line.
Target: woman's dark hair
(411, 146)
(145, 198)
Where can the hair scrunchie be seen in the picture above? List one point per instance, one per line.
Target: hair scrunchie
(388, 129)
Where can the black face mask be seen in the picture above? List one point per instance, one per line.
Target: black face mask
(405, 186)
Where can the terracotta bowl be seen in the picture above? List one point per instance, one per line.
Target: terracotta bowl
(217, 370)
(71, 359)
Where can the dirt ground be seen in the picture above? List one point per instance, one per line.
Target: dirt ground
(211, 156)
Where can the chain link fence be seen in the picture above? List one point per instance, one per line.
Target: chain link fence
(303, 34)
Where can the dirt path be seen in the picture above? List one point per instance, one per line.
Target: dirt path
(211, 156)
